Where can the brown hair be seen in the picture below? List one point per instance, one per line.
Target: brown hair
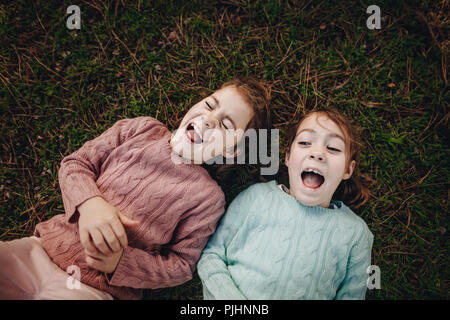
(351, 191)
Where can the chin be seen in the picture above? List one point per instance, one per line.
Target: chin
(309, 203)
(307, 200)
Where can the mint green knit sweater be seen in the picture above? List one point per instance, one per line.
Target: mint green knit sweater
(270, 246)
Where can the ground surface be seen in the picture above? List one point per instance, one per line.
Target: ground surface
(60, 88)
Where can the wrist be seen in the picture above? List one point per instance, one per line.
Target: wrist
(87, 203)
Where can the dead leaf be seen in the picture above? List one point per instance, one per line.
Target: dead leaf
(391, 85)
(172, 35)
(323, 26)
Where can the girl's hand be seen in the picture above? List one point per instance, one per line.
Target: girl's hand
(101, 227)
(103, 262)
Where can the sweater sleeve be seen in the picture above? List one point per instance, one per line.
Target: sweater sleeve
(354, 285)
(175, 265)
(79, 171)
(212, 268)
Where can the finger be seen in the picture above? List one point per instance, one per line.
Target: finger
(110, 237)
(94, 263)
(97, 255)
(86, 241)
(127, 221)
(119, 231)
(99, 241)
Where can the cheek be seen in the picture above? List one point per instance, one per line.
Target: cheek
(337, 166)
(231, 139)
(216, 139)
(187, 117)
(193, 112)
(296, 157)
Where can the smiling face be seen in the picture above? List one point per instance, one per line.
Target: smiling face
(317, 161)
(213, 126)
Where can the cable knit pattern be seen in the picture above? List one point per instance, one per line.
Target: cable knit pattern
(177, 206)
(270, 246)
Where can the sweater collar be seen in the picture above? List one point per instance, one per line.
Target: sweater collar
(334, 204)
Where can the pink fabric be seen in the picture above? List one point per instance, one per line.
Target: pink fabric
(178, 206)
(27, 273)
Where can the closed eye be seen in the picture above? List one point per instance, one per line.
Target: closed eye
(304, 143)
(209, 106)
(333, 149)
(223, 124)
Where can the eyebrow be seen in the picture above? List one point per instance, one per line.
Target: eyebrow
(333, 135)
(215, 100)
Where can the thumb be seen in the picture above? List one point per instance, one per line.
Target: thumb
(127, 221)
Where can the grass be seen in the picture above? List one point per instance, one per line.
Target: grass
(61, 88)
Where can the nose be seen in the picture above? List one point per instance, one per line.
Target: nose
(317, 155)
(210, 120)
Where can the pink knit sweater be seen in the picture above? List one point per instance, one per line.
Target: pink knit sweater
(178, 207)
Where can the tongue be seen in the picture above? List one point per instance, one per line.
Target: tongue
(312, 180)
(194, 136)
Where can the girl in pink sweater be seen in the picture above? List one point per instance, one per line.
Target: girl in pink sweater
(138, 206)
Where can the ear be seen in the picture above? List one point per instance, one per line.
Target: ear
(286, 159)
(350, 169)
(232, 153)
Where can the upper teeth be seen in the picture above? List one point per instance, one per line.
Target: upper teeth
(196, 129)
(313, 170)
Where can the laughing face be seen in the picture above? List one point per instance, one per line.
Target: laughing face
(317, 161)
(213, 126)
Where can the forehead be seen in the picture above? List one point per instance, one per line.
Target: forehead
(320, 123)
(229, 93)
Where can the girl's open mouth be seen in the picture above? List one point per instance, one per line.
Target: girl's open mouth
(193, 135)
(312, 179)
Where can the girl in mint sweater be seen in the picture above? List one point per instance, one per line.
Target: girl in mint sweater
(296, 243)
